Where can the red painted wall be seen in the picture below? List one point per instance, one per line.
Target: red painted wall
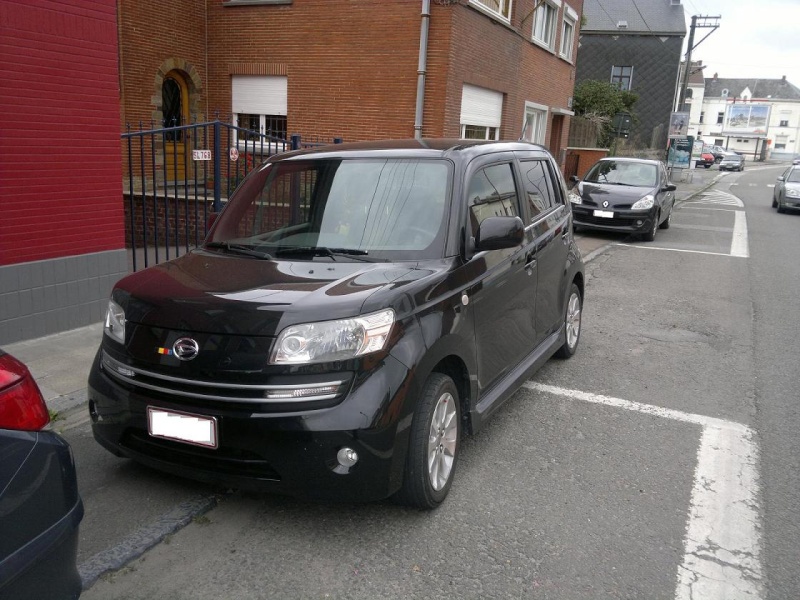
(60, 163)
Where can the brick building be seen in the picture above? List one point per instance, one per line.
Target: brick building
(338, 68)
(61, 231)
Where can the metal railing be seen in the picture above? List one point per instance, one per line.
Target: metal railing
(175, 177)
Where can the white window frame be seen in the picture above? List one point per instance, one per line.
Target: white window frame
(502, 12)
(262, 95)
(570, 20)
(481, 109)
(538, 129)
(548, 35)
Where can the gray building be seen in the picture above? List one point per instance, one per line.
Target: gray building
(636, 44)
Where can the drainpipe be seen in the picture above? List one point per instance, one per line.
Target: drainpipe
(422, 67)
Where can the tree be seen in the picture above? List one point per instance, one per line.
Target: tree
(598, 102)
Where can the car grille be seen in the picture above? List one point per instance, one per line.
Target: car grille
(590, 219)
(284, 395)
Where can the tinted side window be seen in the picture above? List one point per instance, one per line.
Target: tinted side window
(492, 193)
(538, 187)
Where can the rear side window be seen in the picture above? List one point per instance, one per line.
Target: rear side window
(492, 193)
(538, 187)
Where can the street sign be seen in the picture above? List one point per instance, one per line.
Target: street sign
(201, 154)
(234, 154)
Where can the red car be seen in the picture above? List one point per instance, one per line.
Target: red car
(706, 160)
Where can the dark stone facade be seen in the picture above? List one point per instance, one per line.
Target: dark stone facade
(655, 61)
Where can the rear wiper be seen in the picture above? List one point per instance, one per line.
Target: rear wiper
(239, 249)
(324, 251)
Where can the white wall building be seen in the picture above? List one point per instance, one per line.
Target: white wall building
(747, 115)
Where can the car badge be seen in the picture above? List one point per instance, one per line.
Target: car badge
(185, 348)
(605, 203)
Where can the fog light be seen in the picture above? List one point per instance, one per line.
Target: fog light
(639, 223)
(347, 457)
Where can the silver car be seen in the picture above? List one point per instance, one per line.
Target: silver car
(786, 194)
(732, 162)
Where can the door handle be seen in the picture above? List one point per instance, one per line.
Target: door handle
(531, 263)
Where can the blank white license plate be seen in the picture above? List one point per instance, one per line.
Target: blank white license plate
(182, 427)
(608, 214)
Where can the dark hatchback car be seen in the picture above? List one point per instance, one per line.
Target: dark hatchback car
(40, 509)
(625, 195)
(353, 311)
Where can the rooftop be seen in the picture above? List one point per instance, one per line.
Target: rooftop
(634, 17)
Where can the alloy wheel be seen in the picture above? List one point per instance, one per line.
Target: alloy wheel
(442, 441)
(573, 320)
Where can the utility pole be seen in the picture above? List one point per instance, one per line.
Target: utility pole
(705, 22)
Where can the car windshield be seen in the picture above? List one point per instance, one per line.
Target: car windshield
(623, 173)
(383, 209)
(794, 176)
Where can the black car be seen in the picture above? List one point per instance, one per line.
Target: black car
(625, 195)
(353, 311)
(40, 509)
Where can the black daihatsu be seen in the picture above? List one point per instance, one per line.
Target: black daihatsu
(352, 312)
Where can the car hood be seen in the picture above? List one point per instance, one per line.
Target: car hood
(617, 196)
(214, 293)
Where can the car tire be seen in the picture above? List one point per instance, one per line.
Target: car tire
(774, 202)
(707, 166)
(666, 223)
(572, 323)
(434, 445)
(651, 235)
(780, 208)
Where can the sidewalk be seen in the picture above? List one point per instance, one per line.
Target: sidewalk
(60, 363)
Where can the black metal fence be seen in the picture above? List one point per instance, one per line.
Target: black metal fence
(175, 177)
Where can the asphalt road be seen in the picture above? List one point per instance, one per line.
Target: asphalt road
(661, 461)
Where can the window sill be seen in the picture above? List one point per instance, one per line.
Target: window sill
(567, 59)
(490, 13)
(254, 2)
(543, 46)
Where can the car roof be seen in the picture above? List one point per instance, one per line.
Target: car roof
(425, 147)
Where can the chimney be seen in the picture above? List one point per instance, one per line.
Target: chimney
(715, 76)
(783, 79)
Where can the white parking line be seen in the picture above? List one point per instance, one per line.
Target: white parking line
(739, 246)
(649, 247)
(722, 545)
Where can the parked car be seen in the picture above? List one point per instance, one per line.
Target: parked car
(354, 310)
(40, 509)
(796, 160)
(706, 160)
(719, 153)
(625, 195)
(732, 162)
(786, 193)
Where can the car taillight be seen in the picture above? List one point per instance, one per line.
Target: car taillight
(21, 403)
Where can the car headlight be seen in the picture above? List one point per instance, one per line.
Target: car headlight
(333, 340)
(645, 203)
(114, 325)
(792, 193)
(575, 198)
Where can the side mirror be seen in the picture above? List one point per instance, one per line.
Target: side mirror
(496, 233)
(670, 187)
(574, 179)
(780, 178)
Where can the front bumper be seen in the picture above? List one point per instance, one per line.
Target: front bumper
(623, 221)
(260, 449)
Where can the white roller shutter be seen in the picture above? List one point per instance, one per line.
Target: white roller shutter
(259, 95)
(480, 106)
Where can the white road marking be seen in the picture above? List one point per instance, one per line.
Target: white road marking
(772, 185)
(739, 245)
(717, 197)
(650, 247)
(722, 546)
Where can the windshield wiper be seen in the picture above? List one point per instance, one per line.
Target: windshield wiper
(325, 251)
(239, 249)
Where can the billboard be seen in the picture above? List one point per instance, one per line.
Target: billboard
(680, 151)
(746, 119)
(679, 124)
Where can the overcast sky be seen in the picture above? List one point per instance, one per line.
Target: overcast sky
(756, 38)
